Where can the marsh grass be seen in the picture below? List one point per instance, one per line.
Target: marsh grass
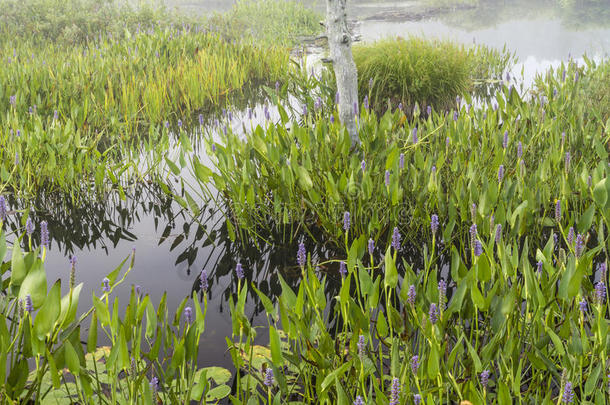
(419, 71)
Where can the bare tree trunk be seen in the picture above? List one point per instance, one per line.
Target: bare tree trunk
(340, 44)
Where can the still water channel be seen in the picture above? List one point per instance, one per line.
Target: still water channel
(172, 248)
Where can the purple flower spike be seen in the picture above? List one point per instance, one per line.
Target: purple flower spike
(539, 267)
(179, 123)
(332, 119)
(478, 248)
(568, 393)
(414, 132)
(582, 305)
(346, 221)
(571, 236)
(28, 305)
(188, 314)
(366, 103)
(473, 234)
(442, 293)
(580, 245)
(239, 271)
(500, 173)
(400, 107)
(519, 150)
(505, 140)
(371, 83)
(13, 100)
(411, 295)
(447, 142)
(200, 119)
(29, 227)
(416, 399)
(414, 364)
(106, 285)
(361, 345)
(203, 280)
(395, 392)
(401, 161)
(277, 87)
(455, 116)
(269, 380)
(434, 223)
(429, 111)
(387, 178)
(358, 400)
(371, 246)
(44, 234)
(567, 161)
(558, 211)
(342, 269)
(433, 313)
(485, 378)
(396, 239)
(301, 255)
(363, 165)
(600, 292)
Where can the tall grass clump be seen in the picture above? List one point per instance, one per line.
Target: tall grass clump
(419, 71)
(280, 22)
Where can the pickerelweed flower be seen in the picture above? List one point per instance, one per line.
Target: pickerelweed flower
(154, 386)
(433, 313)
(416, 399)
(44, 234)
(305, 109)
(3, 209)
(371, 246)
(371, 83)
(395, 392)
(434, 223)
(106, 285)
(568, 159)
(500, 173)
(203, 280)
(179, 123)
(473, 234)
(277, 87)
(484, 378)
(301, 255)
(455, 116)
(361, 345)
(239, 271)
(400, 107)
(442, 293)
(269, 380)
(571, 236)
(558, 211)
(267, 113)
(342, 268)
(582, 305)
(188, 314)
(396, 239)
(13, 100)
(28, 305)
(539, 267)
(363, 165)
(72, 271)
(600, 292)
(568, 393)
(478, 248)
(167, 124)
(580, 245)
(414, 364)
(447, 142)
(55, 115)
(505, 140)
(29, 227)
(519, 150)
(346, 221)
(563, 138)
(358, 400)
(414, 133)
(200, 119)
(428, 110)
(366, 102)
(411, 294)
(332, 119)
(318, 104)
(401, 161)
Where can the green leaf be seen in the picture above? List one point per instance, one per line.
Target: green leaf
(18, 271)
(274, 343)
(71, 358)
(49, 312)
(304, 178)
(35, 284)
(391, 274)
(600, 193)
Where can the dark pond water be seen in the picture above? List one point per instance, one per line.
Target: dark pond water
(172, 248)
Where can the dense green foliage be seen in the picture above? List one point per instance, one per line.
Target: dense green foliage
(424, 72)
(445, 165)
